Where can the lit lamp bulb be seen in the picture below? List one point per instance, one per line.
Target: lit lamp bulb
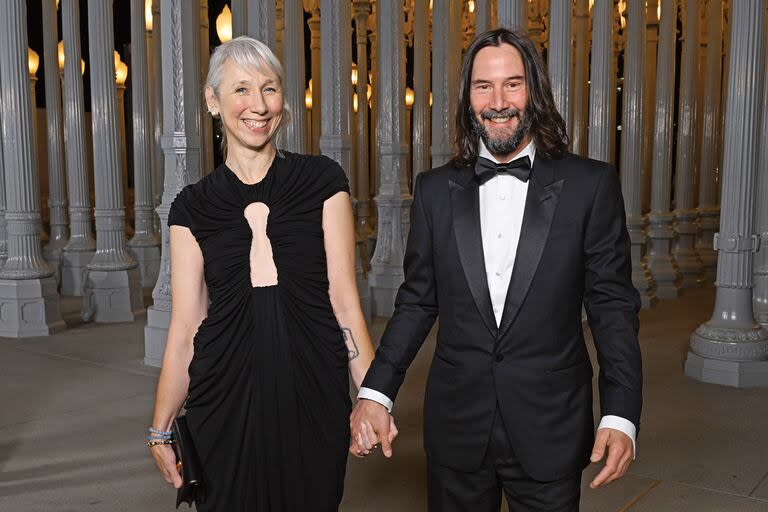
(310, 85)
(430, 98)
(148, 15)
(368, 92)
(471, 5)
(354, 74)
(33, 61)
(121, 73)
(308, 98)
(408, 97)
(224, 25)
(354, 102)
(121, 70)
(60, 51)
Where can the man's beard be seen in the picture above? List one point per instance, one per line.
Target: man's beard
(502, 145)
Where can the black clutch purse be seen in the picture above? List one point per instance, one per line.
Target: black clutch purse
(192, 488)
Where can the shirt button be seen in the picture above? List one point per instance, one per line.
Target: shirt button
(495, 310)
(499, 235)
(499, 358)
(498, 274)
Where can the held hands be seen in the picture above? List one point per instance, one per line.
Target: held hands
(371, 424)
(166, 462)
(619, 455)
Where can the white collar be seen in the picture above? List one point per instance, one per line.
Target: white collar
(529, 151)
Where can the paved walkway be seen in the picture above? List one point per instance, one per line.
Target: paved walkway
(74, 406)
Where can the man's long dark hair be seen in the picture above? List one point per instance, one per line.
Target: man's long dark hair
(547, 126)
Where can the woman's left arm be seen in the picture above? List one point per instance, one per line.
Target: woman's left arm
(339, 234)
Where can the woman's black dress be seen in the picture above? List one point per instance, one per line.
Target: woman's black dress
(268, 402)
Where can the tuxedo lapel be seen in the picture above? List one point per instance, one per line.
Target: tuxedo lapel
(540, 205)
(465, 202)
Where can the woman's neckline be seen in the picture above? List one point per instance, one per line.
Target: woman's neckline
(269, 172)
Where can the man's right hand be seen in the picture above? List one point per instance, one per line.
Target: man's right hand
(371, 424)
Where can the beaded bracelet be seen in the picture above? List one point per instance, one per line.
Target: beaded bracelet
(150, 444)
(164, 433)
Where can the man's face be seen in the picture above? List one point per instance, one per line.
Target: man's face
(498, 97)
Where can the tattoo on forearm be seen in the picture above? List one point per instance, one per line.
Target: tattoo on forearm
(349, 339)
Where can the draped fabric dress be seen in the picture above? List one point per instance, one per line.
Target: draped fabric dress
(268, 403)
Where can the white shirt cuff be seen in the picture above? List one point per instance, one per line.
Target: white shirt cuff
(623, 425)
(372, 394)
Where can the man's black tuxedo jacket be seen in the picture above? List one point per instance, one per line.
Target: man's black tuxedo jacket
(573, 247)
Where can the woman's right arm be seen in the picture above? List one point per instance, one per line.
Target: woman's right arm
(189, 308)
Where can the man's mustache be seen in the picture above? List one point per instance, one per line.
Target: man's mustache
(494, 114)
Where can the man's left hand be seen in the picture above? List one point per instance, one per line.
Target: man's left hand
(619, 447)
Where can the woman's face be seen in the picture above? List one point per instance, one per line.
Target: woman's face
(250, 105)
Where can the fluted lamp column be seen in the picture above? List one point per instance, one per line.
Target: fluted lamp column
(760, 276)
(559, 57)
(512, 14)
(113, 283)
(33, 63)
(260, 16)
(393, 199)
(578, 134)
(240, 17)
(684, 248)
(81, 246)
(145, 244)
(28, 298)
(373, 148)
(57, 195)
(617, 37)
(422, 83)
(293, 61)
(336, 136)
(156, 87)
(181, 136)
(649, 93)
(660, 260)
(120, 77)
(483, 11)
(710, 136)
(600, 105)
(632, 148)
(3, 225)
(732, 348)
(446, 54)
(361, 11)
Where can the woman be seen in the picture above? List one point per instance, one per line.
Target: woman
(268, 238)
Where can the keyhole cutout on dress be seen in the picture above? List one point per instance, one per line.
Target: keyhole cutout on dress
(263, 270)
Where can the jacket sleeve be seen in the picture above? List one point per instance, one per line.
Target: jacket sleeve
(415, 305)
(612, 303)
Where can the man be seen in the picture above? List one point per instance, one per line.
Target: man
(505, 255)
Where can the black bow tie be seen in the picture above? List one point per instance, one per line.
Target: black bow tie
(486, 169)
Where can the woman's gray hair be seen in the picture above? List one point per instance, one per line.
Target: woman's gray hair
(248, 53)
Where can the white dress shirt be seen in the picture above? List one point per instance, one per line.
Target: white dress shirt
(502, 203)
